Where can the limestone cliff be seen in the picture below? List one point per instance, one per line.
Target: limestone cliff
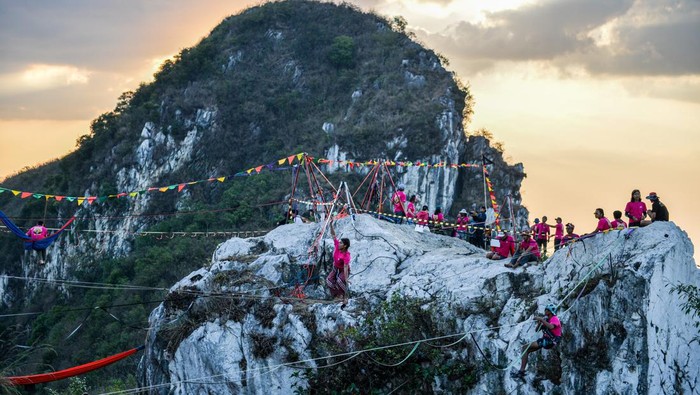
(229, 328)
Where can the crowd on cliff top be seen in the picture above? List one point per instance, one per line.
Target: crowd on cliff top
(534, 240)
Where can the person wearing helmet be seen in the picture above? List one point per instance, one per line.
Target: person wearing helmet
(658, 212)
(399, 201)
(550, 326)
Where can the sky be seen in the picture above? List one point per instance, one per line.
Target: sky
(595, 97)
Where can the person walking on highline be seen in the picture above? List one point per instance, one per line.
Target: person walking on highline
(338, 280)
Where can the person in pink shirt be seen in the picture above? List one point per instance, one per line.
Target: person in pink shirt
(558, 233)
(462, 224)
(411, 207)
(399, 201)
(636, 209)
(603, 223)
(542, 235)
(618, 223)
(39, 232)
(570, 236)
(527, 252)
(505, 249)
(338, 280)
(551, 336)
(422, 219)
(437, 219)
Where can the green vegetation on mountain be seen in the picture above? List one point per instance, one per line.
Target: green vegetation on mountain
(271, 77)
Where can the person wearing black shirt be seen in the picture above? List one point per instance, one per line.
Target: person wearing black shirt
(658, 212)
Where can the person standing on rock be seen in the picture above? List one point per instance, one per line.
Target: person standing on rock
(542, 235)
(551, 328)
(338, 281)
(411, 209)
(558, 233)
(399, 201)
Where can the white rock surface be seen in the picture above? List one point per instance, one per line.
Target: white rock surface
(624, 333)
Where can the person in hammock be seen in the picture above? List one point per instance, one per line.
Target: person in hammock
(338, 279)
(36, 233)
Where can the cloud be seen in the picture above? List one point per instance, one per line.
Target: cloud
(613, 37)
(39, 77)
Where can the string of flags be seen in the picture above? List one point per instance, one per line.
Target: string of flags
(280, 164)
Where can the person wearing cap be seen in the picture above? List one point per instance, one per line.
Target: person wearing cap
(550, 326)
(505, 248)
(570, 236)
(527, 252)
(636, 209)
(462, 224)
(558, 233)
(658, 212)
(399, 200)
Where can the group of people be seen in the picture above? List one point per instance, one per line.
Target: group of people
(469, 226)
(534, 240)
(504, 246)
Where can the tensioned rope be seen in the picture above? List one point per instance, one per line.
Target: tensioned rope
(293, 364)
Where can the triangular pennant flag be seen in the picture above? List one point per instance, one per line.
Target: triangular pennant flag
(70, 198)
(171, 187)
(133, 194)
(38, 196)
(121, 195)
(281, 161)
(59, 198)
(249, 171)
(258, 169)
(2, 190)
(26, 195)
(91, 199)
(15, 192)
(101, 199)
(299, 156)
(221, 179)
(163, 189)
(48, 197)
(80, 201)
(290, 159)
(180, 187)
